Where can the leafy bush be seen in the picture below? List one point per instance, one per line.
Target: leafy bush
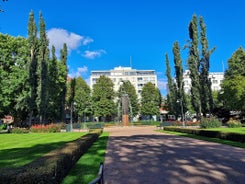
(234, 123)
(3, 126)
(18, 130)
(51, 128)
(210, 123)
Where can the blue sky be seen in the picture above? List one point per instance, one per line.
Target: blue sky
(103, 34)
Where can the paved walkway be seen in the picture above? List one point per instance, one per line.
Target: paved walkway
(140, 155)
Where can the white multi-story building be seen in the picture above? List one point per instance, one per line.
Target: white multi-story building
(137, 77)
(215, 77)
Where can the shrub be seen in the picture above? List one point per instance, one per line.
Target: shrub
(210, 123)
(234, 123)
(18, 130)
(51, 128)
(3, 126)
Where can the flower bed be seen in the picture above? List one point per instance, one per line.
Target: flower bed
(50, 128)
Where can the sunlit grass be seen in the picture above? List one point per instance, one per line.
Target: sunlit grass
(19, 149)
(86, 169)
(221, 141)
(240, 130)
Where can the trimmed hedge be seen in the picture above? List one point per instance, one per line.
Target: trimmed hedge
(52, 167)
(210, 133)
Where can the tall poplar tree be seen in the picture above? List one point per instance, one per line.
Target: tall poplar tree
(179, 81)
(63, 71)
(206, 92)
(171, 96)
(194, 64)
(53, 91)
(42, 70)
(33, 47)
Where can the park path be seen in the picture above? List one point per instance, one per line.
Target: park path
(140, 155)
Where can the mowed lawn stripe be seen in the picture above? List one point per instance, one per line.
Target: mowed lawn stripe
(87, 167)
(20, 149)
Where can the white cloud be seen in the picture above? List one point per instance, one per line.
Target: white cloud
(58, 37)
(80, 71)
(93, 54)
(162, 84)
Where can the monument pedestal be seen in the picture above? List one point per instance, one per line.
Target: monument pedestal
(125, 120)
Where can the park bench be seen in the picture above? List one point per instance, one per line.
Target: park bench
(163, 124)
(100, 177)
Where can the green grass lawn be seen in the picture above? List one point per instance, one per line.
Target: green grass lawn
(231, 143)
(86, 169)
(19, 149)
(240, 130)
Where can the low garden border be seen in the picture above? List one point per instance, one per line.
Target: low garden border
(53, 166)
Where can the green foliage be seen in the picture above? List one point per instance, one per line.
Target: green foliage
(129, 89)
(3, 126)
(103, 98)
(180, 94)
(234, 123)
(199, 64)
(210, 123)
(194, 63)
(150, 102)
(18, 130)
(13, 75)
(83, 98)
(172, 96)
(233, 85)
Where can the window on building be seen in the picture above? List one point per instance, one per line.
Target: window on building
(215, 81)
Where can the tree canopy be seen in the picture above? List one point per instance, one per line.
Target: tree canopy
(103, 99)
(233, 85)
(150, 100)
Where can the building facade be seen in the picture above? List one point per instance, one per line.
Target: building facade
(137, 77)
(215, 77)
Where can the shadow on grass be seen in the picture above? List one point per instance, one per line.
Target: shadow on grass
(16, 157)
(87, 167)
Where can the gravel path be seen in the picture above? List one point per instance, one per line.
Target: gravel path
(140, 155)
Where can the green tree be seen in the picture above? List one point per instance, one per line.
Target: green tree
(150, 103)
(206, 92)
(53, 92)
(181, 101)
(194, 64)
(129, 89)
(103, 99)
(171, 96)
(233, 85)
(13, 76)
(33, 49)
(43, 59)
(62, 80)
(83, 99)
